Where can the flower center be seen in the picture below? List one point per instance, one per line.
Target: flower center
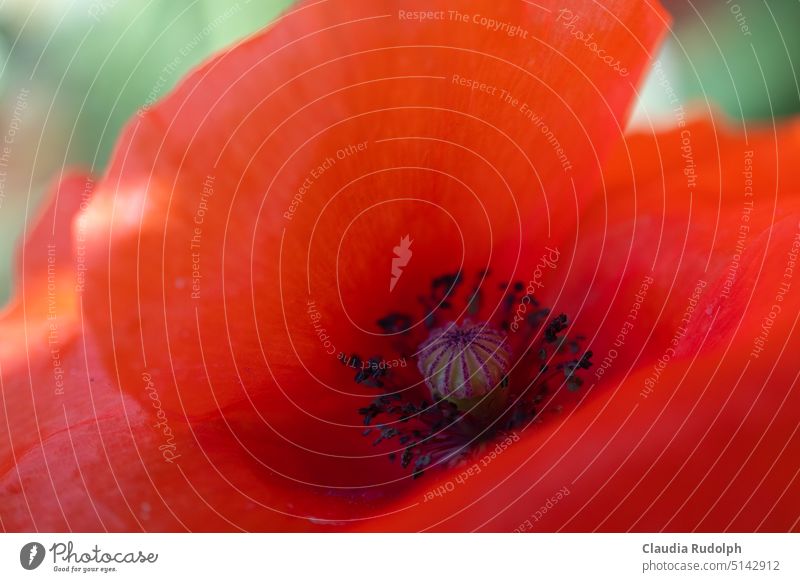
(473, 395)
(462, 363)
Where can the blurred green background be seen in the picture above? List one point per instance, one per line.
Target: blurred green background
(73, 71)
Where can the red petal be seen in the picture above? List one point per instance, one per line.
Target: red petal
(39, 323)
(653, 230)
(259, 119)
(709, 450)
(77, 455)
(706, 441)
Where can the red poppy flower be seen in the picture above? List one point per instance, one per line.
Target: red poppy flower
(396, 269)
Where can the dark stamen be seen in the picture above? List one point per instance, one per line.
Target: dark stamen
(438, 432)
(395, 323)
